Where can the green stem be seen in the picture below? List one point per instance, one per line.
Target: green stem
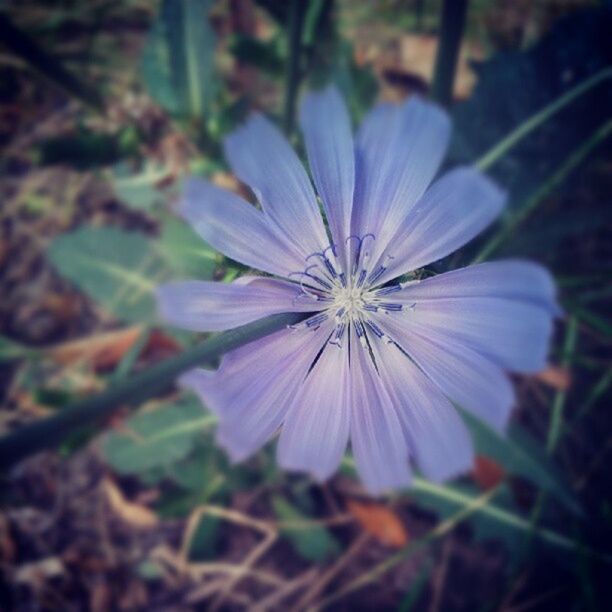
(451, 31)
(297, 10)
(502, 147)
(556, 418)
(131, 390)
(554, 429)
(570, 164)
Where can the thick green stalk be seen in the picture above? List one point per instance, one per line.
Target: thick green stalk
(297, 10)
(131, 390)
(451, 31)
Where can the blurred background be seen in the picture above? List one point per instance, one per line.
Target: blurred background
(105, 106)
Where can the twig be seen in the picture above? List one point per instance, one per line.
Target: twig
(440, 578)
(441, 529)
(288, 588)
(360, 541)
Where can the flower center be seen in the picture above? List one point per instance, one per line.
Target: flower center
(349, 297)
(349, 301)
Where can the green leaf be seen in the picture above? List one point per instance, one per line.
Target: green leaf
(520, 455)
(178, 60)
(118, 269)
(187, 254)
(156, 438)
(312, 543)
(138, 189)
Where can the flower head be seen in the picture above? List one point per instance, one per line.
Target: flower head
(376, 361)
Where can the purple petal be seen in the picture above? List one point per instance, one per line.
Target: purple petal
(262, 158)
(399, 151)
(512, 279)
(377, 441)
(439, 440)
(236, 228)
(210, 306)
(329, 142)
(453, 211)
(466, 377)
(253, 388)
(503, 310)
(515, 334)
(316, 429)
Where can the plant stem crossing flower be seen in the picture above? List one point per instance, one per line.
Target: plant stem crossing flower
(377, 362)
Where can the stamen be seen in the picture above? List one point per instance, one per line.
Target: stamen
(390, 307)
(359, 328)
(370, 307)
(316, 278)
(376, 274)
(388, 290)
(316, 320)
(326, 262)
(379, 332)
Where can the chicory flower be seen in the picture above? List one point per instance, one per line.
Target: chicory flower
(376, 361)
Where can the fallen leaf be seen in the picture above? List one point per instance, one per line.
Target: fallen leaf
(381, 522)
(158, 341)
(487, 473)
(134, 514)
(556, 377)
(102, 350)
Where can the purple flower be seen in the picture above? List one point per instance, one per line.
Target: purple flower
(377, 362)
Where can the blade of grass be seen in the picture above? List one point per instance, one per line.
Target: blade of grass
(590, 318)
(570, 164)
(51, 431)
(554, 431)
(556, 418)
(129, 359)
(599, 389)
(415, 545)
(501, 148)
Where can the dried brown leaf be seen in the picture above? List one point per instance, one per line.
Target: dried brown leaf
(102, 350)
(381, 522)
(487, 473)
(556, 377)
(135, 514)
